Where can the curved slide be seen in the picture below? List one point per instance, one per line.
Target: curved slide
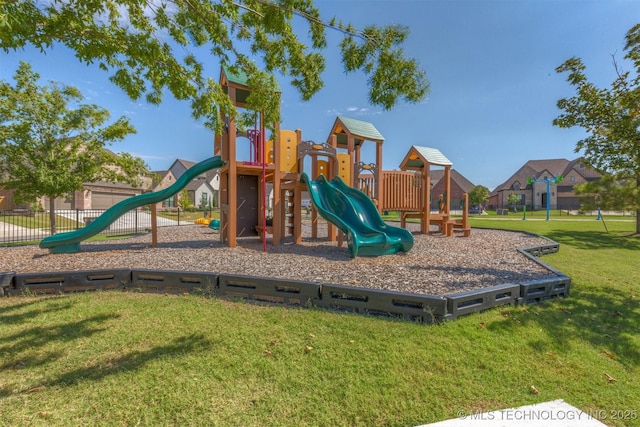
(69, 242)
(357, 217)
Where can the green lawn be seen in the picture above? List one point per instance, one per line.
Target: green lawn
(126, 359)
(40, 220)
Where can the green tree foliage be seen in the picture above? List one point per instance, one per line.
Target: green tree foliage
(611, 192)
(478, 195)
(611, 118)
(184, 201)
(50, 144)
(513, 201)
(151, 47)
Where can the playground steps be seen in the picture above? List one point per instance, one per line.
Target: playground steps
(460, 224)
(441, 220)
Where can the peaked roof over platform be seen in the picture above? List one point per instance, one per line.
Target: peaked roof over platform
(239, 80)
(418, 156)
(360, 131)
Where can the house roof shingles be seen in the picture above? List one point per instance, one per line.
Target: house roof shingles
(536, 168)
(457, 177)
(578, 166)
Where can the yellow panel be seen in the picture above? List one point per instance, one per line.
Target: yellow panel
(288, 151)
(323, 168)
(344, 167)
(271, 155)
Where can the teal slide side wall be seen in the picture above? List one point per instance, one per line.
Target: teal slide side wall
(369, 213)
(367, 234)
(69, 242)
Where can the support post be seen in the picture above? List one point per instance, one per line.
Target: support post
(154, 226)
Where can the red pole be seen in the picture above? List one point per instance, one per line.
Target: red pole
(263, 154)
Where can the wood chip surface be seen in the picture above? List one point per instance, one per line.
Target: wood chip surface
(437, 265)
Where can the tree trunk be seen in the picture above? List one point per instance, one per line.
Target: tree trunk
(52, 214)
(638, 204)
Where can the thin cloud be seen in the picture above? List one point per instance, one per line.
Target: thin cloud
(353, 111)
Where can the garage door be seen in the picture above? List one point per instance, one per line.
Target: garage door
(101, 200)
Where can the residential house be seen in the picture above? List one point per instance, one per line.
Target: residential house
(95, 195)
(459, 186)
(180, 166)
(530, 182)
(162, 180)
(6, 201)
(200, 190)
(575, 173)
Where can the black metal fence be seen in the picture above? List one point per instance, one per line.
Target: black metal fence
(26, 227)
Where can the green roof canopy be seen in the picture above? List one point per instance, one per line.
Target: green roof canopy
(418, 156)
(239, 80)
(360, 131)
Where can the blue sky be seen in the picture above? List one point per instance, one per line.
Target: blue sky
(490, 63)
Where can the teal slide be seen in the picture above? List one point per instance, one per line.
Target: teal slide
(357, 217)
(69, 242)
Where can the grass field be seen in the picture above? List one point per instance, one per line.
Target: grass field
(140, 359)
(39, 220)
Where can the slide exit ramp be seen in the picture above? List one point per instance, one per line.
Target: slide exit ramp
(69, 242)
(353, 212)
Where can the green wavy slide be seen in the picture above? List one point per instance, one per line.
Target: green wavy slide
(353, 212)
(69, 242)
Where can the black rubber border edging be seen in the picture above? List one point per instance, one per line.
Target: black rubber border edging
(418, 308)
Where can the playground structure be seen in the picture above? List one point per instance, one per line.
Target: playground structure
(347, 192)
(279, 164)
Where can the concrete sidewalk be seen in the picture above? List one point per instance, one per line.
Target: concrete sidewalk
(556, 413)
(130, 220)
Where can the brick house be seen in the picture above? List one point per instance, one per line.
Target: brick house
(530, 184)
(6, 200)
(459, 186)
(96, 195)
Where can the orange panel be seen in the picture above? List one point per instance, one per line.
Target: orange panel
(288, 151)
(323, 168)
(344, 169)
(271, 155)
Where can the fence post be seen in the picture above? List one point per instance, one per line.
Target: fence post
(77, 218)
(154, 226)
(136, 222)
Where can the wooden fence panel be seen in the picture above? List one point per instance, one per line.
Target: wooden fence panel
(402, 191)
